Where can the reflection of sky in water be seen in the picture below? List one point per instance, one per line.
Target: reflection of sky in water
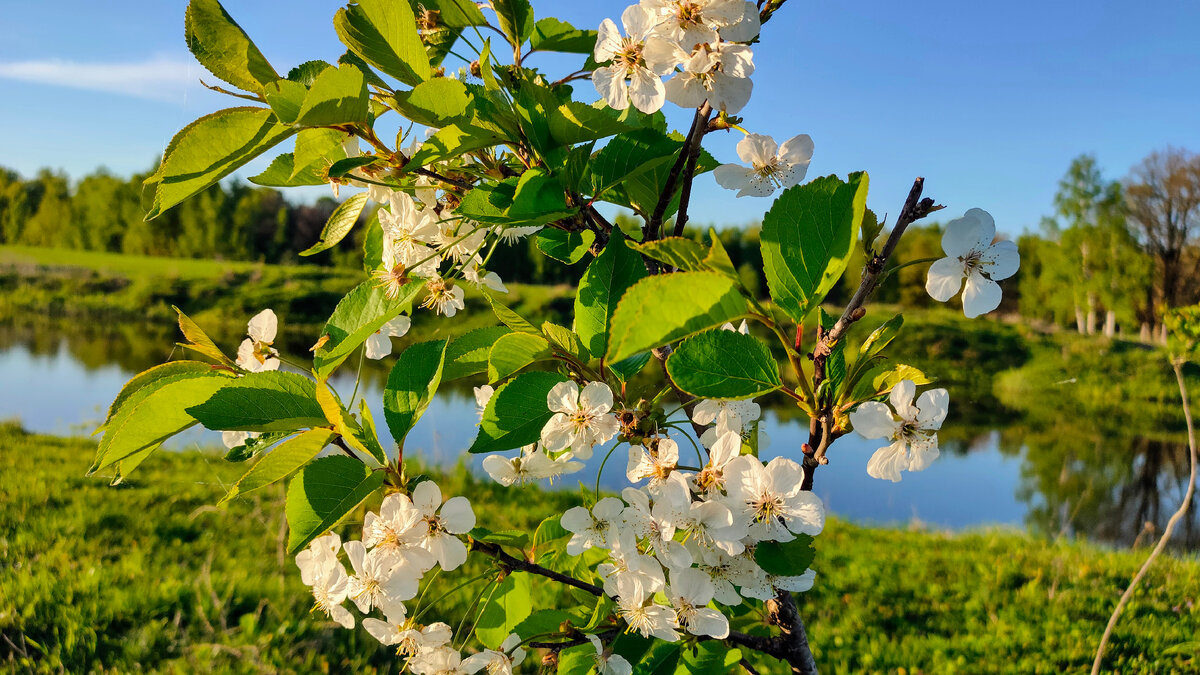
(56, 394)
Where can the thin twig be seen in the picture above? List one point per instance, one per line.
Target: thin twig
(1177, 364)
(689, 174)
(517, 564)
(695, 135)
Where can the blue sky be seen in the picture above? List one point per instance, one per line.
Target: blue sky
(988, 101)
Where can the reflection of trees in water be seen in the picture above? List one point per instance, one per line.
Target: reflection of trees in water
(1080, 479)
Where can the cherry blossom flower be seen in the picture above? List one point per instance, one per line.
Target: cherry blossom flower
(769, 499)
(482, 396)
(747, 28)
(608, 663)
(640, 613)
(255, 354)
(629, 566)
(319, 557)
(398, 530)
(511, 234)
(233, 439)
(718, 73)
(532, 464)
(690, 592)
(377, 581)
(742, 328)
(488, 279)
(641, 58)
(912, 429)
(592, 528)
(656, 524)
(379, 343)
(495, 662)
(971, 255)
(444, 298)
(412, 640)
(581, 418)
(724, 571)
(692, 22)
(330, 588)
(454, 517)
(655, 464)
(770, 167)
(711, 479)
(439, 661)
(391, 631)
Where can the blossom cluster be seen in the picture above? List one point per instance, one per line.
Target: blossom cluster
(400, 543)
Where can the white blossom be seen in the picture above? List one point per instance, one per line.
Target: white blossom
(641, 58)
(627, 565)
(483, 395)
(379, 343)
(639, 611)
(397, 531)
(655, 464)
(911, 429)
(453, 517)
(747, 28)
(377, 580)
(581, 418)
(443, 297)
(233, 439)
(411, 640)
(608, 663)
(692, 22)
(496, 662)
(255, 354)
(770, 167)
(657, 524)
(718, 73)
(769, 499)
(531, 465)
(319, 557)
(690, 592)
(439, 661)
(592, 528)
(971, 255)
(711, 479)
(742, 328)
(487, 279)
(330, 588)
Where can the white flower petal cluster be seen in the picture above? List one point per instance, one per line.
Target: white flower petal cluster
(379, 343)
(582, 418)
(256, 354)
(971, 256)
(771, 165)
(912, 429)
(696, 36)
(533, 464)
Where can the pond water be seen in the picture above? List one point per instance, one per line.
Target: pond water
(60, 380)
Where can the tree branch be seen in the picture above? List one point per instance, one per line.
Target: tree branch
(689, 172)
(821, 430)
(694, 136)
(516, 564)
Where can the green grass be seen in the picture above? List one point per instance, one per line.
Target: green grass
(151, 577)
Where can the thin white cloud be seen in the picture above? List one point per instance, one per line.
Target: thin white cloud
(158, 79)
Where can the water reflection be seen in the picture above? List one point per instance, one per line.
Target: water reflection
(1055, 476)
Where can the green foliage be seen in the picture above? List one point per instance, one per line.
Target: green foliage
(509, 606)
(554, 35)
(221, 46)
(209, 149)
(384, 34)
(434, 103)
(323, 493)
(684, 304)
(343, 219)
(337, 96)
(724, 364)
(789, 558)
(807, 239)
(358, 316)
(511, 418)
(607, 278)
(468, 353)
(564, 246)
(268, 401)
(281, 461)
(411, 385)
(514, 351)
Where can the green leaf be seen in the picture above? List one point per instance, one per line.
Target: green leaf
(280, 462)
(510, 538)
(625, 369)
(453, 13)
(604, 282)
(563, 246)
(880, 379)
(579, 660)
(785, 559)
(574, 122)
(358, 316)
(539, 198)
(710, 658)
(510, 605)
(516, 19)
(343, 167)
(516, 413)
(662, 659)
(154, 413)
(373, 244)
(681, 304)
(323, 493)
(807, 238)
(679, 252)
(718, 258)
(150, 376)
(881, 337)
(724, 364)
(341, 221)
(486, 71)
(451, 141)
(254, 445)
(468, 353)
(541, 622)
(221, 46)
(198, 340)
(209, 149)
(553, 35)
(435, 103)
(305, 74)
(630, 154)
(411, 386)
(384, 34)
(514, 351)
(286, 98)
(338, 96)
(317, 150)
(869, 232)
(835, 365)
(566, 341)
(283, 173)
(268, 401)
(510, 318)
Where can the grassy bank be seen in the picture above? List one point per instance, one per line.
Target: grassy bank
(151, 577)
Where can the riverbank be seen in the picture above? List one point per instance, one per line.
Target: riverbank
(151, 576)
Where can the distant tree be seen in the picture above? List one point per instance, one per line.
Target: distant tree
(1163, 197)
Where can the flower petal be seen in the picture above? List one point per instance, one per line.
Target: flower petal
(457, 515)
(945, 278)
(378, 346)
(757, 149)
(1003, 260)
(901, 398)
(973, 232)
(888, 462)
(427, 497)
(980, 295)
(874, 420)
(596, 398)
(932, 407)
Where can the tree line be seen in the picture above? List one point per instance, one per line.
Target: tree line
(1111, 257)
